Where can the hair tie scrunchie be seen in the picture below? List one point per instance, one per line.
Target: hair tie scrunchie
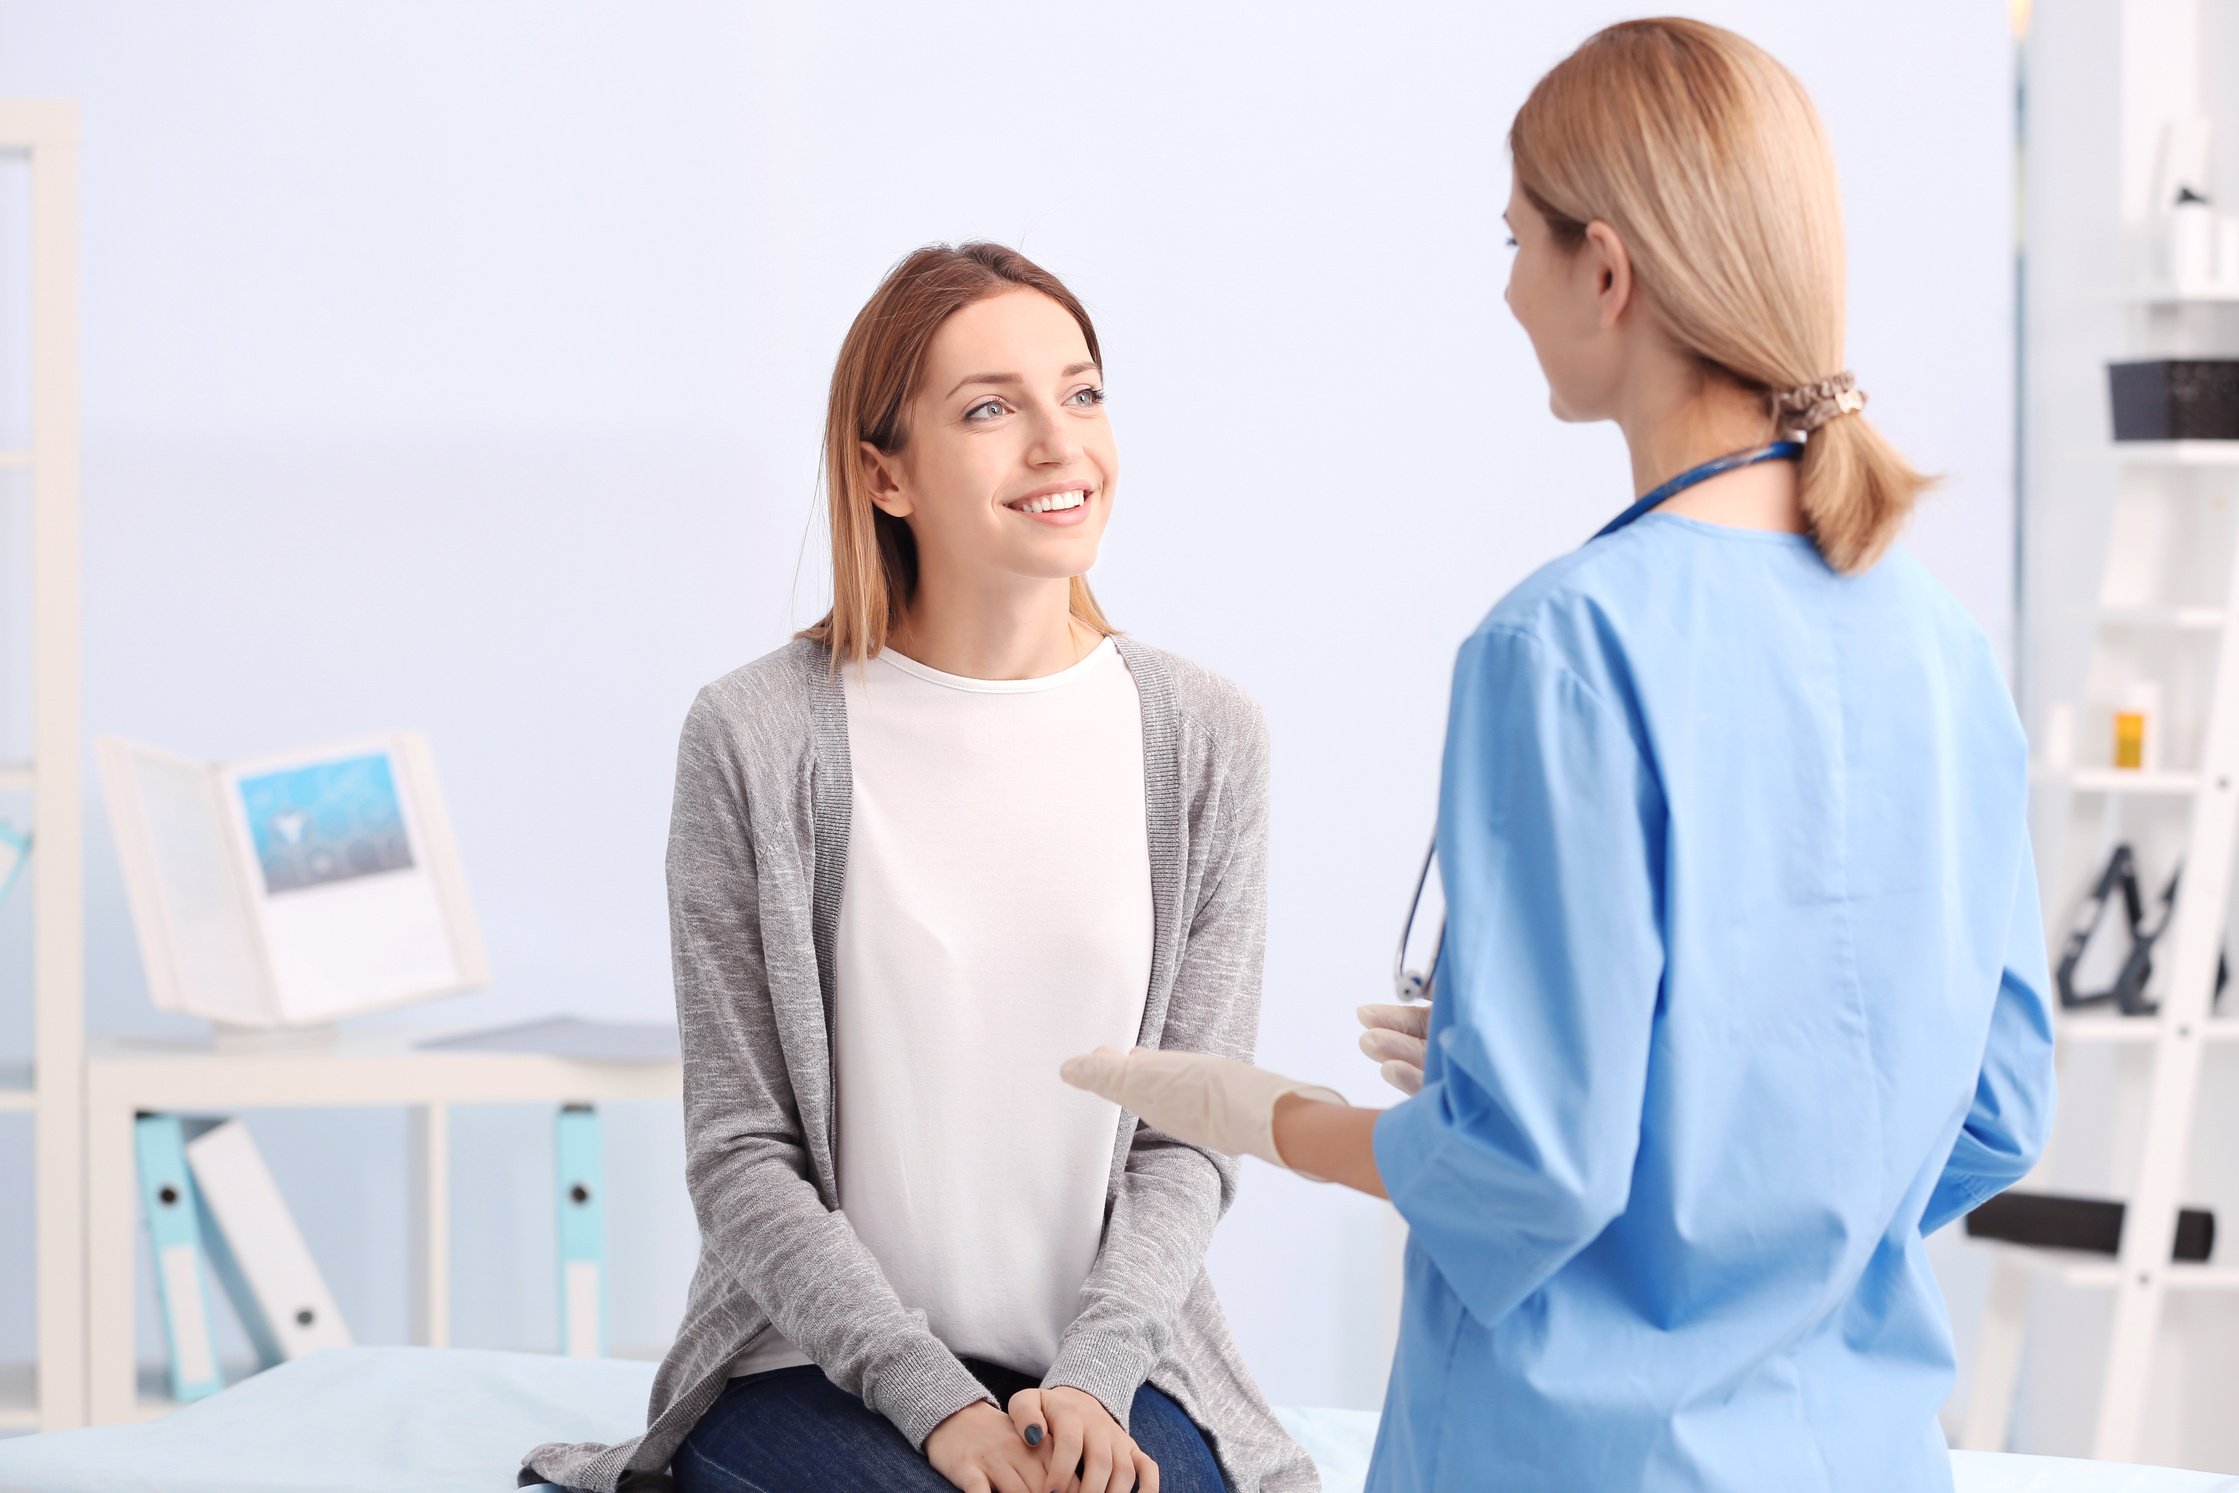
(1810, 406)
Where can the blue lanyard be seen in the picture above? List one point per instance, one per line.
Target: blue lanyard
(1777, 451)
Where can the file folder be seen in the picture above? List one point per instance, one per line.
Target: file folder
(175, 1237)
(256, 1250)
(582, 1232)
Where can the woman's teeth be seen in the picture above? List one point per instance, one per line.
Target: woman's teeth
(1056, 502)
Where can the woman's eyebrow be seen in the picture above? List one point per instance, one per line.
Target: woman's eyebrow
(985, 378)
(1013, 378)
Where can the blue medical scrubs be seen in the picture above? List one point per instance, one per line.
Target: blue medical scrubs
(1743, 995)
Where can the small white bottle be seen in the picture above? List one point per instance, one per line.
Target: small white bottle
(2192, 241)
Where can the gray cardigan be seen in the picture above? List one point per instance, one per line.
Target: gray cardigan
(756, 862)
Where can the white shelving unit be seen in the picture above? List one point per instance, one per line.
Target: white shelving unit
(2099, 806)
(2115, 781)
(2206, 294)
(2174, 619)
(44, 135)
(82, 1098)
(2178, 453)
(125, 1078)
(2168, 613)
(2130, 1031)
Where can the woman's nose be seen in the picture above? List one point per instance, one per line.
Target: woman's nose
(1053, 443)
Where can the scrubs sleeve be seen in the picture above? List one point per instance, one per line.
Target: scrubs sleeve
(1519, 1149)
(2011, 1116)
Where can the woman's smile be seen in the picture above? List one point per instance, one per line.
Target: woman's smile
(1059, 505)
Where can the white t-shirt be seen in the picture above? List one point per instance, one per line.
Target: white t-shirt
(996, 920)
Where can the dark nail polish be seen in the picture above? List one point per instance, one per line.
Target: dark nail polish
(1033, 1435)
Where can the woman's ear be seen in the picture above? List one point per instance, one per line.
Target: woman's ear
(882, 480)
(1612, 269)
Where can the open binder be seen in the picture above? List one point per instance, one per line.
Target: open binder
(293, 889)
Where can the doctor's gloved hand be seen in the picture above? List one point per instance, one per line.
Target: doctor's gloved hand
(1397, 1040)
(1217, 1103)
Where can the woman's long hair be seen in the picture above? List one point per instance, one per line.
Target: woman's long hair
(874, 556)
(1707, 158)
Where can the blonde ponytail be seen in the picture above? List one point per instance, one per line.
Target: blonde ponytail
(1706, 156)
(1857, 492)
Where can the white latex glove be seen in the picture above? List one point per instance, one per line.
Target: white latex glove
(1217, 1103)
(1396, 1040)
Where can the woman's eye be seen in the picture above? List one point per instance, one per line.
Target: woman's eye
(1089, 396)
(986, 409)
(1510, 242)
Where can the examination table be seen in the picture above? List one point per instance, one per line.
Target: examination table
(456, 1420)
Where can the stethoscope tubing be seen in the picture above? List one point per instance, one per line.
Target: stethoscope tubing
(1409, 985)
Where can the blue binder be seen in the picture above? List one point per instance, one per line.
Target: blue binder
(582, 1232)
(15, 849)
(175, 1232)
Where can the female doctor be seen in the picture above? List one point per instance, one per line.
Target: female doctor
(1742, 990)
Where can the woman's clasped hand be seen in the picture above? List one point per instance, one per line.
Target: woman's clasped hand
(1056, 1440)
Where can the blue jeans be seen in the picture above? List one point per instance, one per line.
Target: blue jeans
(794, 1431)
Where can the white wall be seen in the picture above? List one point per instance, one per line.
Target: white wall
(460, 367)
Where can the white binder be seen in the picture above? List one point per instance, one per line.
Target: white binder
(257, 1252)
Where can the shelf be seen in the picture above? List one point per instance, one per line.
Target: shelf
(16, 777)
(2198, 293)
(124, 1074)
(2141, 1030)
(2179, 619)
(15, 1087)
(2114, 780)
(2101, 1272)
(2178, 453)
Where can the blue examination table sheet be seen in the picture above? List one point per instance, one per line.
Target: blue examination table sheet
(456, 1420)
